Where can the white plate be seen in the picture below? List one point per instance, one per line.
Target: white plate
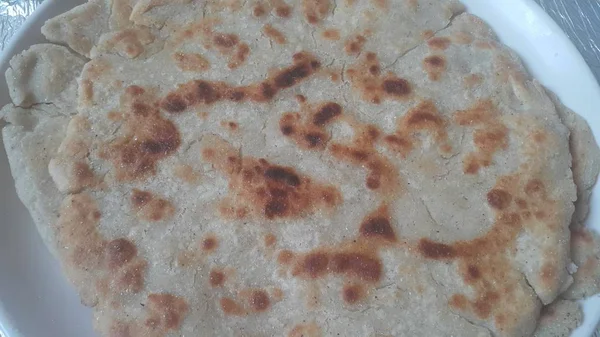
(35, 298)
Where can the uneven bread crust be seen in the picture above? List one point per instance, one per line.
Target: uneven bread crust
(398, 173)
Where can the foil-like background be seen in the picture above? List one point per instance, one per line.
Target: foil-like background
(580, 19)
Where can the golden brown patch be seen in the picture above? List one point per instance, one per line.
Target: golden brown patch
(305, 330)
(259, 301)
(200, 92)
(150, 208)
(435, 66)
(285, 257)
(264, 190)
(307, 129)
(210, 243)
(270, 240)
(354, 44)
(165, 312)
(423, 117)
(191, 62)
(148, 137)
(356, 261)
(372, 86)
(259, 10)
(77, 231)
(499, 199)
(227, 44)
(119, 252)
(439, 43)
(382, 175)
(331, 34)
(490, 134)
(315, 10)
(131, 277)
(186, 173)
(216, 278)
(483, 261)
(282, 9)
(274, 34)
(231, 307)
(352, 294)
(458, 301)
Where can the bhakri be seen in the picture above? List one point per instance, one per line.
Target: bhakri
(315, 168)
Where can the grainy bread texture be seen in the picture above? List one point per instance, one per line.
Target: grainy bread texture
(309, 168)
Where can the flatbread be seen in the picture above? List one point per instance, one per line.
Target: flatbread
(559, 319)
(81, 27)
(363, 168)
(45, 73)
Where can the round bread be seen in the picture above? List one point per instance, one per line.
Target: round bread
(316, 168)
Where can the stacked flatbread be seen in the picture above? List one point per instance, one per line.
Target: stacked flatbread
(308, 168)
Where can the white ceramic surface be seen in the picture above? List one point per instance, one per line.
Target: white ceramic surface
(36, 300)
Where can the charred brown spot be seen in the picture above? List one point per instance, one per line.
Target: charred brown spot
(283, 174)
(473, 272)
(119, 252)
(375, 70)
(434, 65)
(293, 75)
(264, 190)
(499, 199)
(436, 250)
(210, 243)
(140, 198)
(226, 40)
(283, 11)
(276, 208)
(327, 113)
(314, 139)
(287, 130)
(378, 227)
(355, 44)
(216, 278)
(173, 103)
(259, 301)
(148, 139)
(314, 265)
(352, 294)
(397, 87)
(439, 43)
(357, 265)
(259, 10)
